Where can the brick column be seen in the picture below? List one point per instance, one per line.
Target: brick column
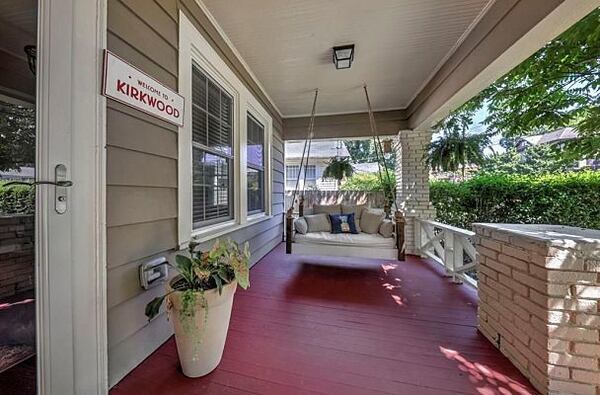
(412, 181)
(539, 294)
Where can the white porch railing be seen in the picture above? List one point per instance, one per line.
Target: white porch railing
(449, 246)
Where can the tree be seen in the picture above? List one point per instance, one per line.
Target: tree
(557, 86)
(338, 168)
(363, 151)
(17, 136)
(368, 182)
(533, 160)
(456, 148)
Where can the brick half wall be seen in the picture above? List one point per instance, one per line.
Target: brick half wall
(539, 302)
(17, 256)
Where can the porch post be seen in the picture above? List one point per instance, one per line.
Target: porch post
(412, 182)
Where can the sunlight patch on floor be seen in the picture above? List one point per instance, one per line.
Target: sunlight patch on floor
(487, 380)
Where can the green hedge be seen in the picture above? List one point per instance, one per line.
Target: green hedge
(563, 199)
(17, 199)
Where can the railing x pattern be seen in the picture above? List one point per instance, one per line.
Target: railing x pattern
(449, 246)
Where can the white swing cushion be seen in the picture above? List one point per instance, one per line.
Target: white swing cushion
(364, 240)
(362, 245)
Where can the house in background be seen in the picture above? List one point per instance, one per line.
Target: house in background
(366, 168)
(23, 174)
(557, 138)
(320, 154)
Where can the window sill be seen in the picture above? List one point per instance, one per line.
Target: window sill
(256, 217)
(218, 230)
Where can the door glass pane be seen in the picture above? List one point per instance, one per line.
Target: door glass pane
(17, 205)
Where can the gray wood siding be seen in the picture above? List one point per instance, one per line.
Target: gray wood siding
(142, 177)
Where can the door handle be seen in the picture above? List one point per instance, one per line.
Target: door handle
(63, 184)
(60, 182)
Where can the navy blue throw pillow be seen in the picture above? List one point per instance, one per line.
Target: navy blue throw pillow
(342, 223)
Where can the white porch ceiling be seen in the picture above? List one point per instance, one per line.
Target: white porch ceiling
(399, 45)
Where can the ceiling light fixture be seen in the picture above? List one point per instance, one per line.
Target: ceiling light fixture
(343, 56)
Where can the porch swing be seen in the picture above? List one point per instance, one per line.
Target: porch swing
(302, 240)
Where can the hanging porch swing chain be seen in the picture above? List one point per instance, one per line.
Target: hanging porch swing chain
(379, 152)
(305, 153)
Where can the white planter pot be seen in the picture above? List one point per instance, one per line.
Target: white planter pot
(201, 340)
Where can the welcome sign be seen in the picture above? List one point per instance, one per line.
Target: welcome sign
(129, 85)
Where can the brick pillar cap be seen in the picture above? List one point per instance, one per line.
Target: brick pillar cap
(550, 235)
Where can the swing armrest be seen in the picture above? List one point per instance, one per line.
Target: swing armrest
(399, 224)
(289, 232)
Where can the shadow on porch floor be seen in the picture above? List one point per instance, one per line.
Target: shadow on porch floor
(343, 326)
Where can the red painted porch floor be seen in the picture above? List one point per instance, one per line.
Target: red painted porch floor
(343, 326)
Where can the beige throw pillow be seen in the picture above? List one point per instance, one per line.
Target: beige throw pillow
(318, 223)
(357, 224)
(386, 229)
(301, 225)
(370, 221)
(327, 209)
(357, 209)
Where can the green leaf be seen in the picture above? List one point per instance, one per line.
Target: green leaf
(153, 307)
(185, 267)
(338, 168)
(562, 199)
(557, 86)
(223, 274)
(219, 283)
(184, 264)
(241, 267)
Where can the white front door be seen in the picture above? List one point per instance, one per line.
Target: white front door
(70, 246)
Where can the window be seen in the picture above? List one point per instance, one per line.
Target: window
(311, 172)
(212, 153)
(291, 172)
(255, 150)
(213, 201)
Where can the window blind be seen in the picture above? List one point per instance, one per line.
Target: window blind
(212, 151)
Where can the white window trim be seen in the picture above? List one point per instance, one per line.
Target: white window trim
(257, 111)
(194, 47)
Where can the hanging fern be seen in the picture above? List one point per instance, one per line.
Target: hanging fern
(338, 169)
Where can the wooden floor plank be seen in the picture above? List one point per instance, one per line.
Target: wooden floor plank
(329, 325)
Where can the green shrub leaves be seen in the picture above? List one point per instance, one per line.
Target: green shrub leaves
(17, 199)
(563, 199)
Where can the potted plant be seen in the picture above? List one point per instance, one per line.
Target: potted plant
(338, 168)
(199, 301)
